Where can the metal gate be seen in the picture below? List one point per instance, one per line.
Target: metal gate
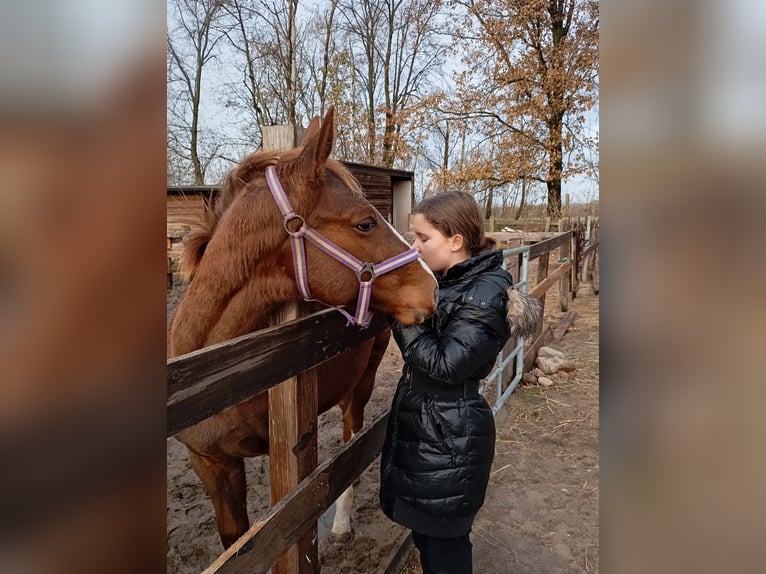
(517, 354)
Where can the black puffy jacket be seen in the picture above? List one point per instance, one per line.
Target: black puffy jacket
(440, 440)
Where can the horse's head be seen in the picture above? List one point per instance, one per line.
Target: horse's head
(324, 194)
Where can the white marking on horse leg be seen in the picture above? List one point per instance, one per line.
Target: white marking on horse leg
(341, 525)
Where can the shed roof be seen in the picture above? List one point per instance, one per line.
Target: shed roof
(394, 174)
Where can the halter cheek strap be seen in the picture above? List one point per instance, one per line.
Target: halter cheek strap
(362, 316)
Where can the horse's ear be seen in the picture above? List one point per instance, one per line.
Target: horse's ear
(311, 131)
(326, 137)
(316, 146)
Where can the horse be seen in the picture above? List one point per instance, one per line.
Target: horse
(242, 270)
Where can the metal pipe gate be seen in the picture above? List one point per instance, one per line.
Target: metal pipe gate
(517, 353)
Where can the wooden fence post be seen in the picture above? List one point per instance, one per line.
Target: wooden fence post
(565, 253)
(292, 419)
(293, 455)
(513, 263)
(542, 273)
(576, 257)
(595, 282)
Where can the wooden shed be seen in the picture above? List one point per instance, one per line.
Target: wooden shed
(391, 191)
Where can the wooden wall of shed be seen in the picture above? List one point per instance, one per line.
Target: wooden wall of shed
(377, 189)
(181, 209)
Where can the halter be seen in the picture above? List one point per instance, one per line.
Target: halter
(362, 316)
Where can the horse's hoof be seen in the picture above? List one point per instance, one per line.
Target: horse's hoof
(341, 537)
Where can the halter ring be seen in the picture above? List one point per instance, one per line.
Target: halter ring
(301, 231)
(366, 268)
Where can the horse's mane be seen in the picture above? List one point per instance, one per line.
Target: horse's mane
(237, 179)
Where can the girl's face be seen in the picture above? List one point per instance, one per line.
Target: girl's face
(437, 250)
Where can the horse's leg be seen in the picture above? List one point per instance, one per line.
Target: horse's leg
(353, 419)
(225, 483)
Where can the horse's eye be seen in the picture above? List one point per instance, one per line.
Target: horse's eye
(366, 226)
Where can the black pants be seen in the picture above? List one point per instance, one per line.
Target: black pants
(444, 555)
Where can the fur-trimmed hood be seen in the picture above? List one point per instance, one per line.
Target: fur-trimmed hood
(524, 313)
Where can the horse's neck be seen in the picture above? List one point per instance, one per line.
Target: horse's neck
(209, 314)
(239, 280)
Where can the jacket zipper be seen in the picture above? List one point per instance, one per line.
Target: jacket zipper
(446, 438)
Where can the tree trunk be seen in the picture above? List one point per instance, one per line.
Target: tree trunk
(523, 199)
(488, 203)
(199, 176)
(292, 80)
(555, 166)
(389, 147)
(445, 161)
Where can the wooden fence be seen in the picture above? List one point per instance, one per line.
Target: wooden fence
(209, 380)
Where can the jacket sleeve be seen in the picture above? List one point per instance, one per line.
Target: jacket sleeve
(471, 337)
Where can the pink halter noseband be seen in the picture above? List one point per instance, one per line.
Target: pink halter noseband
(362, 316)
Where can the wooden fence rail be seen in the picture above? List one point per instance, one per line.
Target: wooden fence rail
(285, 523)
(205, 382)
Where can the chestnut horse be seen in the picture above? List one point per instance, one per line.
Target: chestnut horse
(243, 272)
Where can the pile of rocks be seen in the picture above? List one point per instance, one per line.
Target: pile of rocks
(551, 366)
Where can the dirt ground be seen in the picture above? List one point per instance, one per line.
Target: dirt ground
(541, 511)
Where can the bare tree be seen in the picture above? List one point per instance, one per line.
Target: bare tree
(322, 63)
(414, 51)
(397, 53)
(241, 40)
(265, 38)
(191, 45)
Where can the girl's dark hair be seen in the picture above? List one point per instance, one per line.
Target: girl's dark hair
(456, 212)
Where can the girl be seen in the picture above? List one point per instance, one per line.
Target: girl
(440, 439)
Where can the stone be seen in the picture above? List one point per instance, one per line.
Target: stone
(566, 365)
(528, 379)
(545, 382)
(547, 365)
(550, 352)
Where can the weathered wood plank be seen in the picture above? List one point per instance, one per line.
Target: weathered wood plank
(286, 521)
(521, 236)
(539, 290)
(510, 369)
(548, 245)
(397, 558)
(542, 273)
(595, 281)
(293, 454)
(561, 328)
(588, 255)
(204, 382)
(565, 253)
